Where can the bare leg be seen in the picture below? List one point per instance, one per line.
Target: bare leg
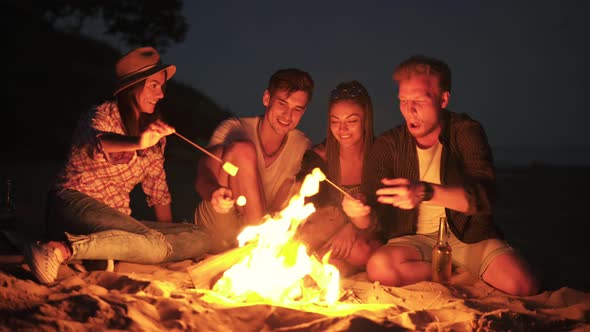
(511, 274)
(349, 266)
(345, 268)
(247, 181)
(396, 265)
(361, 251)
(320, 227)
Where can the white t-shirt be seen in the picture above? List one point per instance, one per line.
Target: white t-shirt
(429, 214)
(287, 163)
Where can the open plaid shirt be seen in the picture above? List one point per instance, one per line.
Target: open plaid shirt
(110, 177)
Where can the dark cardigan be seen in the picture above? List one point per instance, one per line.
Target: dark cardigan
(466, 161)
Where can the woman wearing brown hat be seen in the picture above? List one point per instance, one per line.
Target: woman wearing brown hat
(116, 146)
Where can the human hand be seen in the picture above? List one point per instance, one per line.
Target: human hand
(355, 207)
(153, 133)
(222, 200)
(341, 243)
(400, 192)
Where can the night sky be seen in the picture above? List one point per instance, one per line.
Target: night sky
(519, 67)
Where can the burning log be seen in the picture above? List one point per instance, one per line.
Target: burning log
(270, 265)
(205, 273)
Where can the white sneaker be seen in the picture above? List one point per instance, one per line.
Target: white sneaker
(44, 261)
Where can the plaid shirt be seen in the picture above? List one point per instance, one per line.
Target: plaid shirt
(110, 177)
(466, 161)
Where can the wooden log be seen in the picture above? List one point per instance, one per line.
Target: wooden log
(205, 273)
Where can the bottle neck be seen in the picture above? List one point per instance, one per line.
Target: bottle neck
(443, 231)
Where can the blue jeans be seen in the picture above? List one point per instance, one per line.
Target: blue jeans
(97, 231)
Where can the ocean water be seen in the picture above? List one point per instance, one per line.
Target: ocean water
(526, 156)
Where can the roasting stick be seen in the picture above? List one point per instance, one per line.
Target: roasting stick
(230, 168)
(320, 176)
(340, 189)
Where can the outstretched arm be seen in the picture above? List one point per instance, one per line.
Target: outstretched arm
(112, 142)
(472, 196)
(404, 194)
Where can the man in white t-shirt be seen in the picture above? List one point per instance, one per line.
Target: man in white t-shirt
(267, 150)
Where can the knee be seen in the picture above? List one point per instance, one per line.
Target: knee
(160, 248)
(532, 286)
(242, 151)
(381, 269)
(511, 274)
(523, 286)
(360, 253)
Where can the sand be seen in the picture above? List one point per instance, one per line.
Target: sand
(548, 228)
(139, 297)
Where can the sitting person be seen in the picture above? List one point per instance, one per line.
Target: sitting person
(439, 164)
(341, 158)
(267, 150)
(117, 145)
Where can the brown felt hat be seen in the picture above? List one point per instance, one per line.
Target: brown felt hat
(138, 65)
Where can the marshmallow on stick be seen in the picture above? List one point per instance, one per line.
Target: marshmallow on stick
(241, 201)
(310, 186)
(320, 176)
(228, 167)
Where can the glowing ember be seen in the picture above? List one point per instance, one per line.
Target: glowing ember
(279, 269)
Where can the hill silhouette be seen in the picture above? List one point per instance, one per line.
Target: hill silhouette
(54, 76)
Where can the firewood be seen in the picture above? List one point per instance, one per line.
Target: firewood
(205, 273)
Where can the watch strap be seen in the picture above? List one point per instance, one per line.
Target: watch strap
(428, 191)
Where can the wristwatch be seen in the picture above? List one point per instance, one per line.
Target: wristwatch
(428, 191)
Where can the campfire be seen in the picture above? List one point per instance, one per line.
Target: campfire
(271, 266)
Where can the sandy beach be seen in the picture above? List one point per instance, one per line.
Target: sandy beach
(547, 227)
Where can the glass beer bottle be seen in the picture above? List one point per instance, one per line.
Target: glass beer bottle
(441, 255)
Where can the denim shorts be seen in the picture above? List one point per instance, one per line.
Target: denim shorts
(475, 257)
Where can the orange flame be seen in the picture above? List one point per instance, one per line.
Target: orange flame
(279, 269)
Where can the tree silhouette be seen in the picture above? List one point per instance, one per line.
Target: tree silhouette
(136, 22)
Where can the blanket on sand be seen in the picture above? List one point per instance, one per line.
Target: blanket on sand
(162, 298)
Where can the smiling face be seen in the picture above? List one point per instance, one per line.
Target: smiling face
(347, 123)
(420, 102)
(284, 110)
(152, 92)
